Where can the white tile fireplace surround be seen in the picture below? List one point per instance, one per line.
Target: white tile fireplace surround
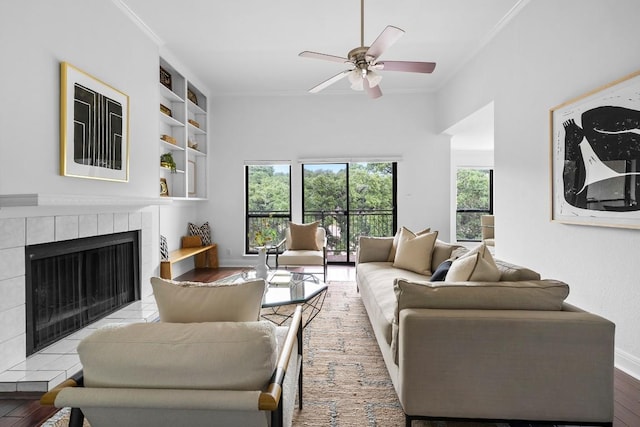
(52, 365)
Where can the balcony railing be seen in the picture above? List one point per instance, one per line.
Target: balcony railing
(343, 229)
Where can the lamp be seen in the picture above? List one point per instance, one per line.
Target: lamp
(357, 76)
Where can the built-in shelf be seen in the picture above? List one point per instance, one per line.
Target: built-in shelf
(187, 105)
(170, 120)
(171, 147)
(38, 199)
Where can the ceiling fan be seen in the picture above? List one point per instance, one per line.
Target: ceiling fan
(364, 60)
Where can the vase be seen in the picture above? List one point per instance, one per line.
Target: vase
(262, 268)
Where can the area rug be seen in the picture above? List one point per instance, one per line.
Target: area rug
(346, 383)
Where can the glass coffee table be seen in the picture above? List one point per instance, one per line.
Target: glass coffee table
(285, 290)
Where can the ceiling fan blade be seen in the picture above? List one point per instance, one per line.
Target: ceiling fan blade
(325, 57)
(373, 92)
(330, 81)
(408, 66)
(387, 37)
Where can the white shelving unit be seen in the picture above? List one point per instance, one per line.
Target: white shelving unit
(184, 120)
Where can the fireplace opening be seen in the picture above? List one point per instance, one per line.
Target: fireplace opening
(73, 283)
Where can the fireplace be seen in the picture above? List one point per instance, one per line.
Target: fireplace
(72, 283)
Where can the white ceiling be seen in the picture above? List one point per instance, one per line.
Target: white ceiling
(250, 47)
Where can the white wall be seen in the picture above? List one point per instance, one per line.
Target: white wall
(36, 35)
(550, 53)
(325, 127)
(98, 38)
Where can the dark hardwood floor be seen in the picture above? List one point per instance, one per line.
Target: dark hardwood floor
(24, 409)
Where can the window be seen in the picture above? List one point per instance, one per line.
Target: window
(350, 200)
(268, 204)
(474, 198)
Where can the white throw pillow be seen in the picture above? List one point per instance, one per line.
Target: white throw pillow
(414, 252)
(476, 265)
(190, 302)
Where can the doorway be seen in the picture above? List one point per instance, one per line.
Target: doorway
(350, 200)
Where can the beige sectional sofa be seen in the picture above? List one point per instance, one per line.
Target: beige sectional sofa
(510, 349)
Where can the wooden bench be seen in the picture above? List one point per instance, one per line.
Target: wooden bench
(205, 256)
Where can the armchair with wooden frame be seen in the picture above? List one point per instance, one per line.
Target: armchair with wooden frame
(185, 378)
(487, 227)
(304, 245)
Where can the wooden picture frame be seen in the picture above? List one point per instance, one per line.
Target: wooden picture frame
(164, 188)
(595, 156)
(165, 78)
(94, 127)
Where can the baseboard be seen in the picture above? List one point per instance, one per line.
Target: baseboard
(627, 363)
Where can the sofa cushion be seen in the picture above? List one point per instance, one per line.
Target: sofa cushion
(414, 252)
(185, 302)
(396, 240)
(376, 287)
(303, 236)
(477, 265)
(442, 251)
(547, 295)
(512, 272)
(376, 248)
(219, 355)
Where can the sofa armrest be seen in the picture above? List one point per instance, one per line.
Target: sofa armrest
(506, 364)
(373, 249)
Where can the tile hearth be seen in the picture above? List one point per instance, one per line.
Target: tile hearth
(51, 366)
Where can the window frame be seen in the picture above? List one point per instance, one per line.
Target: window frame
(488, 211)
(249, 215)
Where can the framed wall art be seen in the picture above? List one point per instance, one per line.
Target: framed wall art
(595, 156)
(94, 127)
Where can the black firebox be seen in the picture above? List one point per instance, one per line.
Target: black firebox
(72, 283)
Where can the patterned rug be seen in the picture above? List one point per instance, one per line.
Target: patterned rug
(346, 383)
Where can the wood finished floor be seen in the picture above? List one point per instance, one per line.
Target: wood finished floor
(24, 409)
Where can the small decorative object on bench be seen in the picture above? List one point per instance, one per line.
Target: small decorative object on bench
(204, 231)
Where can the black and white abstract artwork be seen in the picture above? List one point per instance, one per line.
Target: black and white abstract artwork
(94, 123)
(595, 143)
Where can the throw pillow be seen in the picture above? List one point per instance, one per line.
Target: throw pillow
(476, 265)
(441, 272)
(303, 236)
(377, 249)
(204, 231)
(189, 302)
(414, 252)
(396, 240)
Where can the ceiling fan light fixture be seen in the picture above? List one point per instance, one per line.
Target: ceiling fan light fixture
(374, 78)
(355, 78)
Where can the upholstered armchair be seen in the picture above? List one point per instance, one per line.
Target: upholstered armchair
(487, 229)
(216, 373)
(304, 245)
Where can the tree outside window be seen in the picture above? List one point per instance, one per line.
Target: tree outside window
(268, 204)
(474, 199)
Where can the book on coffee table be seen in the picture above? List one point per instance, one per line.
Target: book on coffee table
(280, 278)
